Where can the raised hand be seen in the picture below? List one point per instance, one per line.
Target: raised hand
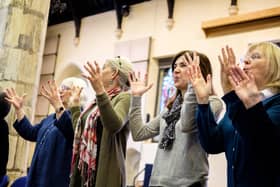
(138, 87)
(94, 77)
(189, 60)
(51, 93)
(202, 88)
(16, 100)
(75, 96)
(245, 86)
(227, 61)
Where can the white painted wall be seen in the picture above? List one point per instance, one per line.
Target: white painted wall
(97, 39)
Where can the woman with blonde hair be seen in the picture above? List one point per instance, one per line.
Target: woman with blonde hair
(249, 132)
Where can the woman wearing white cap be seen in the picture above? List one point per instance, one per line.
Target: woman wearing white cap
(102, 129)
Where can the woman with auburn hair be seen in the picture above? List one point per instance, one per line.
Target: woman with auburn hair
(180, 159)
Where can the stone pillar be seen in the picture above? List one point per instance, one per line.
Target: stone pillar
(23, 28)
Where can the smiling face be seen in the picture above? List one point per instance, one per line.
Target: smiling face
(257, 64)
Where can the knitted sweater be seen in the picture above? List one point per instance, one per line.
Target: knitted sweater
(186, 163)
(111, 165)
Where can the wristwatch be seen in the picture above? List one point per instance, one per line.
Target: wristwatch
(59, 109)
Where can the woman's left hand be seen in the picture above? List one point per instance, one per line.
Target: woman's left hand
(51, 93)
(202, 88)
(245, 86)
(138, 86)
(94, 77)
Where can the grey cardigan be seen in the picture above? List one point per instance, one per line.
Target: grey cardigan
(186, 163)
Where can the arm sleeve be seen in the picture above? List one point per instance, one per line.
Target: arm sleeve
(26, 130)
(64, 124)
(139, 130)
(210, 133)
(188, 111)
(258, 123)
(113, 117)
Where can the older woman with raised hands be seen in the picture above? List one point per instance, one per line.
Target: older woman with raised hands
(50, 166)
(102, 130)
(180, 159)
(249, 132)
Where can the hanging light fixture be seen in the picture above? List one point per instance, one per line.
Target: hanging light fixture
(233, 8)
(170, 20)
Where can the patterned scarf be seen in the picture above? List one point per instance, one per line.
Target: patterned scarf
(85, 141)
(171, 117)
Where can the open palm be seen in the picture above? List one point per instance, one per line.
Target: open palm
(94, 76)
(202, 88)
(75, 95)
(138, 87)
(244, 85)
(227, 61)
(16, 100)
(51, 93)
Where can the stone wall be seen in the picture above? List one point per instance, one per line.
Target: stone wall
(22, 36)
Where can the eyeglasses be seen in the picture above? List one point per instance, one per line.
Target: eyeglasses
(252, 57)
(64, 88)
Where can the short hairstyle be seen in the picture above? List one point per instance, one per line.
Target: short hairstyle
(124, 67)
(272, 54)
(5, 106)
(78, 82)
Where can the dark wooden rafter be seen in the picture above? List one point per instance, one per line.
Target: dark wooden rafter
(170, 5)
(118, 8)
(77, 17)
(233, 3)
(68, 10)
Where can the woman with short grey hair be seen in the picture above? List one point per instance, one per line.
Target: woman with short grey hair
(102, 128)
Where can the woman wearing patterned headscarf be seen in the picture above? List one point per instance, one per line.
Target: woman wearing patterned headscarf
(180, 160)
(102, 129)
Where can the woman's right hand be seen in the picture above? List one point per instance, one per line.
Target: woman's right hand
(95, 77)
(75, 96)
(14, 98)
(227, 61)
(138, 87)
(17, 101)
(245, 86)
